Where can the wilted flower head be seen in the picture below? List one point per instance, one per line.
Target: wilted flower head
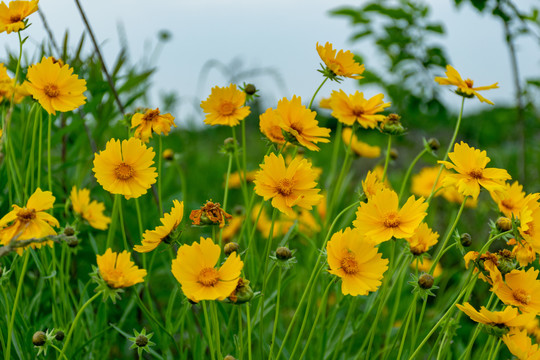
(210, 214)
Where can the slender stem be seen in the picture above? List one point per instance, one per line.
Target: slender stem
(160, 175)
(316, 92)
(243, 182)
(74, 323)
(248, 319)
(112, 226)
(387, 159)
(450, 146)
(276, 317)
(15, 303)
(408, 173)
(240, 333)
(208, 333)
(337, 345)
(441, 249)
(410, 314)
(226, 195)
(40, 140)
(215, 319)
(49, 172)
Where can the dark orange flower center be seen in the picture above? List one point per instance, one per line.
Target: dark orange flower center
(285, 187)
(391, 220)
(296, 129)
(51, 90)
(349, 264)
(521, 296)
(151, 115)
(358, 112)
(25, 215)
(508, 203)
(226, 108)
(476, 174)
(469, 83)
(208, 277)
(15, 18)
(124, 171)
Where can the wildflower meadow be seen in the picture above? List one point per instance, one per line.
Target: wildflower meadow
(345, 227)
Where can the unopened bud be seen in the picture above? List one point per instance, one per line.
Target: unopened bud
(72, 241)
(229, 357)
(394, 154)
(434, 144)
(168, 154)
(250, 89)
(141, 341)
(69, 231)
(503, 224)
(39, 338)
(230, 248)
(466, 239)
(59, 335)
(425, 281)
(283, 253)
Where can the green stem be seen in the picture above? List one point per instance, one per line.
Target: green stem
(316, 92)
(112, 226)
(241, 174)
(15, 303)
(248, 320)
(122, 226)
(408, 173)
(240, 333)
(387, 159)
(215, 319)
(337, 345)
(160, 175)
(74, 323)
(276, 317)
(409, 315)
(226, 195)
(40, 147)
(49, 165)
(450, 145)
(306, 346)
(208, 333)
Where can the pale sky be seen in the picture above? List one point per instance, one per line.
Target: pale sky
(278, 35)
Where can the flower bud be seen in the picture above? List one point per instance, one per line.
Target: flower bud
(69, 231)
(229, 357)
(39, 338)
(425, 281)
(283, 253)
(72, 241)
(503, 224)
(230, 248)
(168, 154)
(434, 144)
(250, 89)
(392, 125)
(394, 154)
(466, 239)
(59, 335)
(506, 261)
(229, 145)
(141, 340)
(243, 292)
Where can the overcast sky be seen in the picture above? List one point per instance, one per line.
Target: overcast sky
(278, 35)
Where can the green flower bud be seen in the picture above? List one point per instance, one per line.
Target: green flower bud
(425, 281)
(39, 338)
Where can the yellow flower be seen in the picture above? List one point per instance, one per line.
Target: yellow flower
(55, 87)
(380, 218)
(170, 221)
(194, 268)
(522, 251)
(464, 87)
(509, 317)
(325, 104)
(529, 224)
(425, 264)
(372, 184)
(287, 186)
(422, 239)
(470, 163)
(12, 16)
(225, 106)
(299, 123)
(356, 261)
(360, 148)
(234, 178)
(520, 345)
(269, 123)
(232, 228)
(29, 222)
(355, 108)
(511, 199)
(521, 289)
(125, 168)
(342, 63)
(118, 270)
(90, 211)
(150, 121)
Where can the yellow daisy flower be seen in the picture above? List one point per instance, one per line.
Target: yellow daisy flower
(380, 218)
(372, 184)
(118, 270)
(511, 199)
(509, 317)
(234, 178)
(232, 228)
(470, 163)
(464, 87)
(422, 239)
(342, 63)
(299, 122)
(529, 224)
(287, 186)
(360, 148)
(269, 124)
(90, 211)
(55, 86)
(150, 121)
(12, 15)
(29, 222)
(325, 103)
(225, 106)
(7, 90)
(355, 108)
(194, 268)
(522, 251)
(170, 221)
(520, 345)
(356, 261)
(125, 167)
(521, 289)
